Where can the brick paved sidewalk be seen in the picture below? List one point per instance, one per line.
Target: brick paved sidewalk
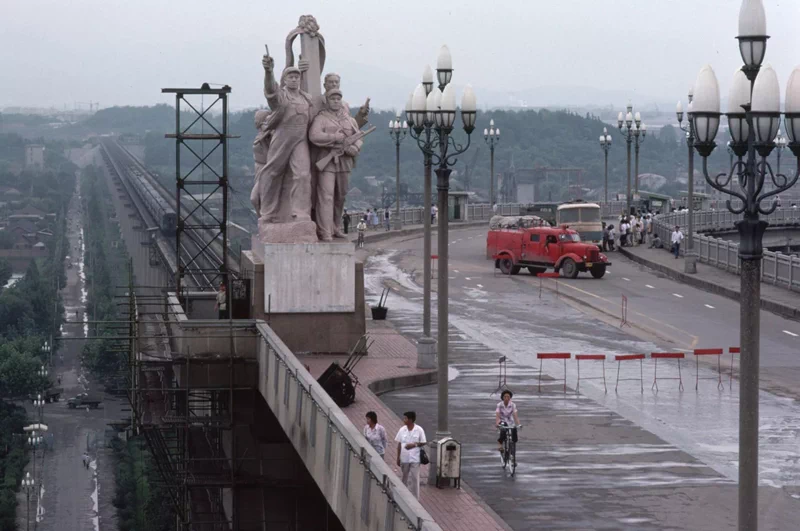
(393, 355)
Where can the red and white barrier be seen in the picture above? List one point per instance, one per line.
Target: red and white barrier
(667, 355)
(541, 356)
(630, 357)
(592, 357)
(655, 356)
(733, 351)
(708, 352)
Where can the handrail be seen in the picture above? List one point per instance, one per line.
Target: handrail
(396, 493)
(777, 268)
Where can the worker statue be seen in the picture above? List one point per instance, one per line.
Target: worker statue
(285, 189)
(338, 139)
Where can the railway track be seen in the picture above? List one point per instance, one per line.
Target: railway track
(157, 209)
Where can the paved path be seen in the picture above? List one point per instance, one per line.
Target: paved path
(393, 355)
(591, 460)
(74, 498)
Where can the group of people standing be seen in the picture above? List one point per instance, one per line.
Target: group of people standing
(633, 230)
(637, 230)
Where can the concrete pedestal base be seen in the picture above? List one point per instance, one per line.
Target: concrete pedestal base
(397, 224)
(690, 263)
(315, 332)
(308, 277)
(426, 353)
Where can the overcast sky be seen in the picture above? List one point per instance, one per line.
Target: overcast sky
(122, 52)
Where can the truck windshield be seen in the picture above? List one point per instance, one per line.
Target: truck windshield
(568, 215)
(569, 237)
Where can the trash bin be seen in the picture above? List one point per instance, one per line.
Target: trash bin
(379, 313)
(448, 463)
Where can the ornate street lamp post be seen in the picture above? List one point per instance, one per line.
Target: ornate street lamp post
(690, 259)
(492, 137)
(29, 484)
(780, 145)
(605, 144)
(435, 116)
(34, 441)
(38, 403)
(633, 131)
(397, 131)
(426, 346)
(753, 119)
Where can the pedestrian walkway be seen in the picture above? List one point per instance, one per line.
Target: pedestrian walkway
(392, 356)
(774, 299)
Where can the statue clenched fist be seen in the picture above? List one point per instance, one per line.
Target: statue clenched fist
(268, 63)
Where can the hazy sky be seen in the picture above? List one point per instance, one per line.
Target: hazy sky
(56, 52)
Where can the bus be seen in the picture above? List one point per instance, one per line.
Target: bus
(582, 217)
(546, 211)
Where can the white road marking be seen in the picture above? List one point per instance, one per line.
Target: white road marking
(626, 279)
(649, 286)
(790, 333)
(677, 295)
(455, 270)
(480, 285)
(467, 278)
(709, 306)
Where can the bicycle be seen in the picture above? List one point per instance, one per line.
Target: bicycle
(509, 446)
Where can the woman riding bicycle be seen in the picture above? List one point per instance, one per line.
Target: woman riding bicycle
(506, 415)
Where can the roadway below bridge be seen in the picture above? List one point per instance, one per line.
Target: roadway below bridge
(630, 459)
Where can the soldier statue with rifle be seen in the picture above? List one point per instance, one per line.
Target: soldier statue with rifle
(339, 140)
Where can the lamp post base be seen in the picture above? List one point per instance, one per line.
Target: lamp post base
(426, 353)
(397, 224)
(690, 262)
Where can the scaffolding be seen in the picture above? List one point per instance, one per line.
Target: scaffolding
(199, 226)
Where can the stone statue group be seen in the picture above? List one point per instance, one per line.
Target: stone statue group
(305, 148)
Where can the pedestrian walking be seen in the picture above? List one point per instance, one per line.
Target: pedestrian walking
(86, 460)
(612, 234)
(346, 221)
(386, 218)
(605, 237)
(433, 214)
(361, 228)
(222, 301)
(376, 220)
(677, 238)
(368, 218)
(375, 434)
(409, 440)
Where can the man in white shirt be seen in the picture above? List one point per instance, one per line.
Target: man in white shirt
(409, 440)
(677, 238)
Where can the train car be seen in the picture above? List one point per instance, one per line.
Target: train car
(160, 209)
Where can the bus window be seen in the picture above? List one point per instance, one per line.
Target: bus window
(590, 214)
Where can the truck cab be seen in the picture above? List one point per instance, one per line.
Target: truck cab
(543, 248)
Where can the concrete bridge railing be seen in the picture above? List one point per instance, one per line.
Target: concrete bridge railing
(777, 268)
(360, 487)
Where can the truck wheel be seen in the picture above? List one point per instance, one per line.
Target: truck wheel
(506, 265)
(598, 271)
(536, 270)
(569, 269)
(515, 270)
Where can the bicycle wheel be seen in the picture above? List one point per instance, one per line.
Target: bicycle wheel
(504, 456)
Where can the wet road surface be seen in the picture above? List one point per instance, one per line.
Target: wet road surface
(588, 460)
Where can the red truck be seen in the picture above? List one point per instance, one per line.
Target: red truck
(543, 248)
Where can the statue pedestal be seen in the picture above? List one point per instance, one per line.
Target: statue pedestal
(308, 277)
(289, 232)
(311, 295)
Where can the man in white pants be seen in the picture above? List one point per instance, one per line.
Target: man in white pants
(409, 440)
